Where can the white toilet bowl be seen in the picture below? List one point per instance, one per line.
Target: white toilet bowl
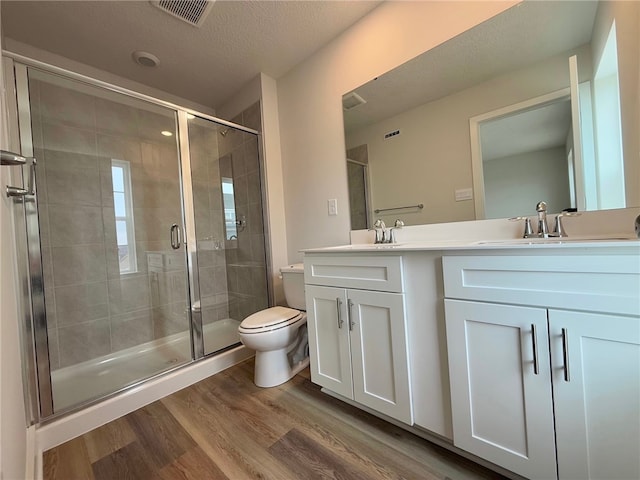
(272, 333)
(278, 334)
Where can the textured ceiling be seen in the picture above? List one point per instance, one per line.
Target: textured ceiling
(524, 34)
(238, 40)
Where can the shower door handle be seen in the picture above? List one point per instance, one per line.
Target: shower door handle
(12, 159)
(175, 236)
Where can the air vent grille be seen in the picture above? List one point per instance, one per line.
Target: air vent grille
(352, 100)
(193, 12)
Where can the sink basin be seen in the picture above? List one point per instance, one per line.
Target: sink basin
(553, 240)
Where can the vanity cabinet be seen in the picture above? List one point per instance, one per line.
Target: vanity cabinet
(358, 336)
(544, 362)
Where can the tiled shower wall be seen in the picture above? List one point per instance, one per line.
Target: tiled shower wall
(233, 275)
(246, 259)
(209, 214)
(92, 309)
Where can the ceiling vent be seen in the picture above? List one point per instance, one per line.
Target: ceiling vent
(194, 12)
(352, 100)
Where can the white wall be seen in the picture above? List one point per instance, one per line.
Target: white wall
(515, 184)
(310, 107)
(431, 157)
(13, 430)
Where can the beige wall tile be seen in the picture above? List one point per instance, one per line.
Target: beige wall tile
(119, 148)
(129, 293)
(66, 139)
(78, 264)
(131, 329)
(114, 117)
(84, 341)
(66, 106)
(76, 225)
(81, 303)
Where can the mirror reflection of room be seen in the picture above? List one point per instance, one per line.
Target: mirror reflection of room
(415, 121)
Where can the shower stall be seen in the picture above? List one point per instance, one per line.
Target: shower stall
(145, 236)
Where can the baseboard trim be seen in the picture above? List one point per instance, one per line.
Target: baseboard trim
(32, 456)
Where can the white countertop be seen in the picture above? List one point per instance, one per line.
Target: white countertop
(513, 243)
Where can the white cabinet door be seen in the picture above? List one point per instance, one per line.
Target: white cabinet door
(329, 348)
(502, 409)
(379, 352)
(597, 394)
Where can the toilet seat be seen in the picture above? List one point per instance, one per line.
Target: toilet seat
(270, 319)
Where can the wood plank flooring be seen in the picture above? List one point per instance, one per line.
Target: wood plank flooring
(227, 428)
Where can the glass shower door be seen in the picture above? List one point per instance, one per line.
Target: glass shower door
(229, 228)
(109, 196)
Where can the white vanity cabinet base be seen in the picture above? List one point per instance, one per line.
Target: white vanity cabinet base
(329, 345)
(360, 354)
(379, 353)
(588, 353)
(357, 334)
(598, 408)
(502, 409)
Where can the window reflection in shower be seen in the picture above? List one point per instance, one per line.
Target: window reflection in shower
(122, 203)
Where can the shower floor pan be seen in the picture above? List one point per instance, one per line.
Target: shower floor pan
(77, 384)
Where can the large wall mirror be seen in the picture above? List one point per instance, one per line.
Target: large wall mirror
(489, 123)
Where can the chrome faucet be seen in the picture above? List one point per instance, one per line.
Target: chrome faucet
(384, 234)
(543, 226)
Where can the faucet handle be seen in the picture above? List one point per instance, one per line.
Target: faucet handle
(559, 229)
(392, 231)
(528, 230)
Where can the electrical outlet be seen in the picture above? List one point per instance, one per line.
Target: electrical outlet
(332, 206)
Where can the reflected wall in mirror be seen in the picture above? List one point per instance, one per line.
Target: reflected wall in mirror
(522, 154)
(514, 58)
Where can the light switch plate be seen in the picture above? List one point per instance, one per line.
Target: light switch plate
(332, 206)
(464, 194)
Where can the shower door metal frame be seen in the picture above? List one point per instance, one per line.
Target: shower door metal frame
(39, 397)
(37, 321)
(191, 245)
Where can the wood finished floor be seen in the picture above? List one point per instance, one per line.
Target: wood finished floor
(227, 428)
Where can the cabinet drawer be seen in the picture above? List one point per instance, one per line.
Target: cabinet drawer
(598, 283)
(367, 272)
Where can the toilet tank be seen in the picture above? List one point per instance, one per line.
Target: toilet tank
(293, 284)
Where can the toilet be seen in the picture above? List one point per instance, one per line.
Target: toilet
(279, 334)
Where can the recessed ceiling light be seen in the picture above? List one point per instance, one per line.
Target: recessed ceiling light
(145, 59)
(166, 133)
